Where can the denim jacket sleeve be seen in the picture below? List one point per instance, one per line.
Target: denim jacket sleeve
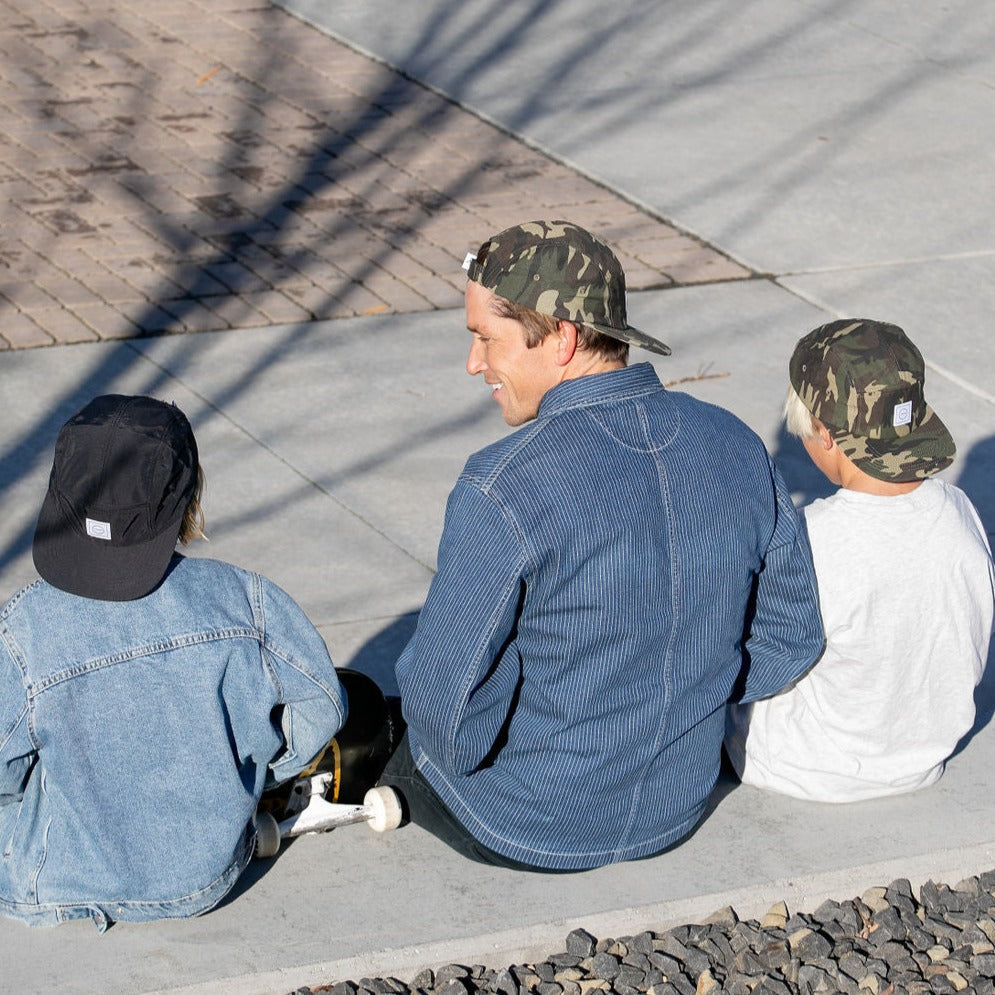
(17, 752)
(785, 636)
(312, 708)
(459, 673)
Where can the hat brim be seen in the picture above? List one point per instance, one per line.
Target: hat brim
(633, 336)
(93, 568)
(925, 451)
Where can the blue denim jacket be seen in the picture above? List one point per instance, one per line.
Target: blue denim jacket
(136, 736)
(566, 686)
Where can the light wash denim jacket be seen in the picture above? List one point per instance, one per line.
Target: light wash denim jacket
(566, 686)
(136, 736)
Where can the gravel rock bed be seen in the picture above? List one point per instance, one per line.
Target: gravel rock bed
(889, 941)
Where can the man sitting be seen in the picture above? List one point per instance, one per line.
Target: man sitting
(601, 573)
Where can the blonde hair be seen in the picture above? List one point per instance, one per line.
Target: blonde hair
(192, 526)
(798, 419)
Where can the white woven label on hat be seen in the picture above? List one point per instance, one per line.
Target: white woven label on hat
(468, 259)
(902, 414)
(99, 530)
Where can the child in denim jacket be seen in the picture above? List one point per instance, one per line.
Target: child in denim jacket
(145, 698)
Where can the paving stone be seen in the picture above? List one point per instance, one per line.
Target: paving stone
(190, 172)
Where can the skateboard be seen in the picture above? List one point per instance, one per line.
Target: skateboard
(339, 786)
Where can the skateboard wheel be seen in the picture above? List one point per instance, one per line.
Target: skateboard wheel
(385, 808)
(267, 835)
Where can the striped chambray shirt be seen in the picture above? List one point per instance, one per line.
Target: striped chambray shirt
(606, 576)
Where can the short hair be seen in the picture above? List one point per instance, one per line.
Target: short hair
(192, 526)
(538, 326)
(798, 420)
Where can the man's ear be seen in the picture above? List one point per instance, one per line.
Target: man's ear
(566, 341)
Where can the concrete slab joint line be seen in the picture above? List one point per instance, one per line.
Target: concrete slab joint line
(246, 147)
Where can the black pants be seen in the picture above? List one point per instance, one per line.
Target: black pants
(425, 808)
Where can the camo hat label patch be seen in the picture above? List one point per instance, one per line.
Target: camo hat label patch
(864, 381)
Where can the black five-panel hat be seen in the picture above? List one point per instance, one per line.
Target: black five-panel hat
(125, 470)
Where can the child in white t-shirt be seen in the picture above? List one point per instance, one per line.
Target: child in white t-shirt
(905, 583)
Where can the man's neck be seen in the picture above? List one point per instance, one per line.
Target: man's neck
(587, 364)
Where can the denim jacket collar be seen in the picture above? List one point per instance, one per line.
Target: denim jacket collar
(597, 388)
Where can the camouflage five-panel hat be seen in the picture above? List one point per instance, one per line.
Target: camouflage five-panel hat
(559, 269)
(864, 381)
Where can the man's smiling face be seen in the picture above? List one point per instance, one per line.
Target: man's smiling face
(518, 375)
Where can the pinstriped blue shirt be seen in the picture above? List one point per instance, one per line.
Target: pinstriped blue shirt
(591, 614)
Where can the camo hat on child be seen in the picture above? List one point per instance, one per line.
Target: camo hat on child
(125, 470)
(560, 270)
(864, 381)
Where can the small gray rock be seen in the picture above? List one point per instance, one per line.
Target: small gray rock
(581, 943)
(503, 983)
(889, 926)
(984, 964)
(451, 972)
(455, 986)
(605, 966)
(545, 971)
(812, 947)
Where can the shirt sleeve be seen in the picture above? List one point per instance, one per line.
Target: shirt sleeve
(17, 752)
(784, 633)
(459, 674)
(312, 707)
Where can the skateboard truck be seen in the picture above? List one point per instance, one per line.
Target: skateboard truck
(381, 809)
(327, 792)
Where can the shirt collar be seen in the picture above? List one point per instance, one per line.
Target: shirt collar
(597, 388)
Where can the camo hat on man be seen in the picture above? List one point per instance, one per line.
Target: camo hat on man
(560, 270)
(864, 381)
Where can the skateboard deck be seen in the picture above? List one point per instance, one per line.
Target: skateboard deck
(339, 786)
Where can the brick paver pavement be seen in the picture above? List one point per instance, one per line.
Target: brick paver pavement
(182, 166)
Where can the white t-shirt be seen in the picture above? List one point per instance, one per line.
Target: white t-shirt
(906, 587)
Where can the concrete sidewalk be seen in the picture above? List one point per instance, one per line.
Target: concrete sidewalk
(336, 491)
(330, 445)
